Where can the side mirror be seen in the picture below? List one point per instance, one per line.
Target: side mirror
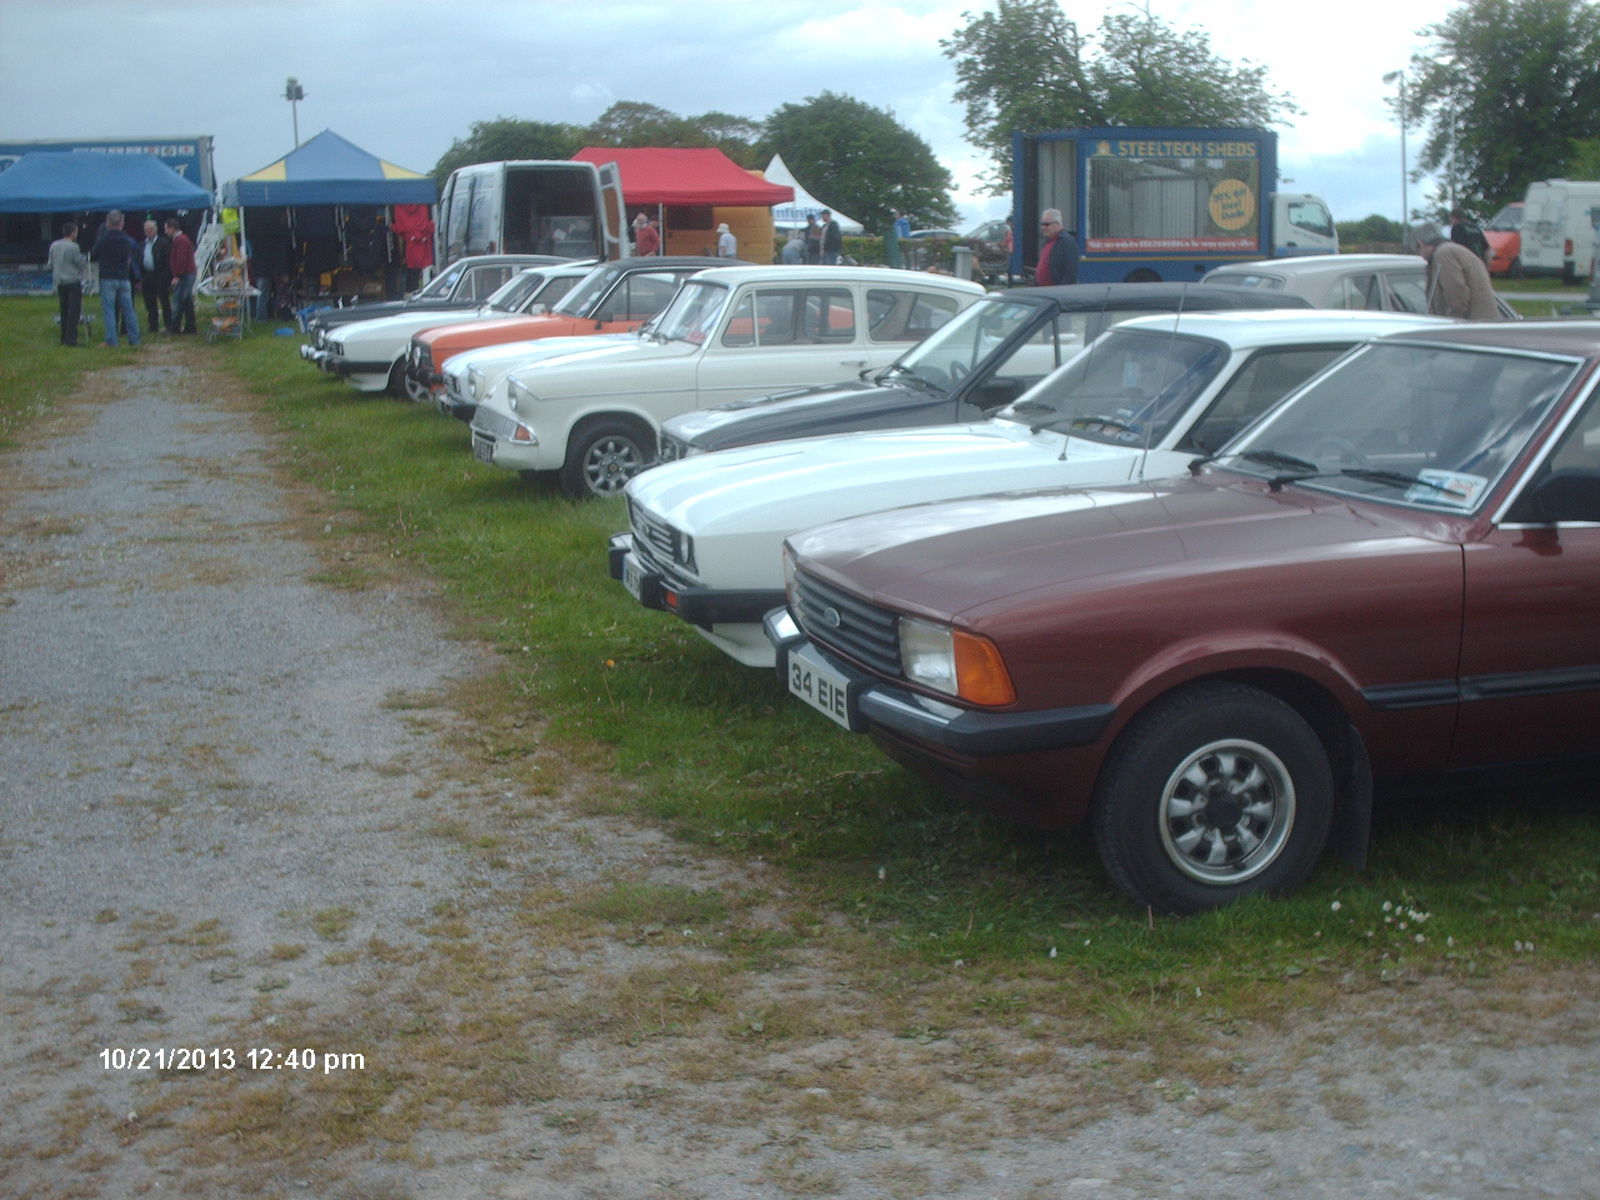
(1571, 495)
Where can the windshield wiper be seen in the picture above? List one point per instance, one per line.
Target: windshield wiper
(1085, 422)
(1276, 458)
(1400, 479)
(1032, 406)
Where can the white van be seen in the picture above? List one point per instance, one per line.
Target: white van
(1557, 238)
(532, 206)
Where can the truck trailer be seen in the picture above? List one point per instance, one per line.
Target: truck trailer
(1148, 204)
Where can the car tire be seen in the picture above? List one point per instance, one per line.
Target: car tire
(1142, 275)
(1569, 275)
(397, 379)
(1514, 271)
(1188, 775)
(417, 393)
(603, 454)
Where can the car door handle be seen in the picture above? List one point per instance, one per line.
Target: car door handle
(852, 362)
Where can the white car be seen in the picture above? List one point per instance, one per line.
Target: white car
(730, 333)
(371, 354)
(1141, 401)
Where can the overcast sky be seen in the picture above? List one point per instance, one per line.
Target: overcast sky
(403, 79)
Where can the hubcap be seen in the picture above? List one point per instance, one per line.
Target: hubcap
(1226, 812)
(610, 463)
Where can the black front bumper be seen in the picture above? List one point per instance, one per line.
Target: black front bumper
(935, 723)
(698, 606)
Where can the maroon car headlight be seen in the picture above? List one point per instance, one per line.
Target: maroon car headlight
(952, 661)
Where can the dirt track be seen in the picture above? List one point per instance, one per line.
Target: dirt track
(235, 812)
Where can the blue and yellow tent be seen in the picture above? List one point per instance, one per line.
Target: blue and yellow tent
(329, 170)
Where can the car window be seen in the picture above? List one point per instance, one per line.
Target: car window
(1409, 291)
(515, 293)
(1027, 362)
(829, 316)
(693, 313)
(1268, 377)
(555, 288)
(440, 287)
(764, 318)
(954, 352)
(638, 297)
(587, 292)
(906, 316)
(1437, 425)
(486, 281)
(1267, 283)
(1507, 220)
(1311, 216)
(1126, 389)
(1357, 292)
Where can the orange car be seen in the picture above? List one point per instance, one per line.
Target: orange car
(1505, 241)
(615, 297)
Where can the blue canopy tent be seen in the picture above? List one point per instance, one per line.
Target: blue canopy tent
(329, 170)
(52, 182)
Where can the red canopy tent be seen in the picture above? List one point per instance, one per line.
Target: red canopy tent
(657, 175)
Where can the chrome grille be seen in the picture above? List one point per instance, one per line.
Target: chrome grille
(655, 533)
(452, 385)
(672, 449)
(496, 424)
(864, 632)
(422, 356)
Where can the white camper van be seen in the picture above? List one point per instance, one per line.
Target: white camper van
(1557, 238)
(532, 206)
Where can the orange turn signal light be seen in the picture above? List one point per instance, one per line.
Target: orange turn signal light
(670, 599)
(981, 674)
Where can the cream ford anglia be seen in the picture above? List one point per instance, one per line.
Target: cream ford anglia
(593, 415)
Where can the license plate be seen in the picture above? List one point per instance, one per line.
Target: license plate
(633, 577)
(812, 680)
(483, 450)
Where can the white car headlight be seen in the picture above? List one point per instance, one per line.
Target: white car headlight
(517, 393)
(928, 654)
(474, 382)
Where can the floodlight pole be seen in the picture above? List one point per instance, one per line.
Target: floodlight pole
(294, 93)
(1405, 202)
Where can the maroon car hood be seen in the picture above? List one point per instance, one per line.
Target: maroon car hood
(965, 557)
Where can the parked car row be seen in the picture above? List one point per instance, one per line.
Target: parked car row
(1195, 564)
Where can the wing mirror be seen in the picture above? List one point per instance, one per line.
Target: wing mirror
(1570, 495)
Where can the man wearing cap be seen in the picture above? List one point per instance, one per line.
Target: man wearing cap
(1058, 256)
(1458, 282)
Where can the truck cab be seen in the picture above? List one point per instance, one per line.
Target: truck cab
(532, 206)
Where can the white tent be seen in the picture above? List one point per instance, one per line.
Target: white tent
(793, 215)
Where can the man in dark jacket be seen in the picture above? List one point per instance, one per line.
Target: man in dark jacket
(183, 273)
(1058, 256)
(116, 252)
(832, 240)
(1464, 233)
(155, 264)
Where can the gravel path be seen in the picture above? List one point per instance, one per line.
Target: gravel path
(216, 788)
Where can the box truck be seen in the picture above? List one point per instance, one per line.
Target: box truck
(532, 206)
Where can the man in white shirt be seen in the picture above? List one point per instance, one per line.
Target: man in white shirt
(66, 274)
(727, 244)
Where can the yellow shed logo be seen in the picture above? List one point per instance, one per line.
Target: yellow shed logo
(1233, 204)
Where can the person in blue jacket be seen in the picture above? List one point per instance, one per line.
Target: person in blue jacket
(115, 251)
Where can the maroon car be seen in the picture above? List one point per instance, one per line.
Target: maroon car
(1394, 573)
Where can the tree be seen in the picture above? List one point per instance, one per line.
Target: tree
(633, 123)
(1026, 67)
(505, 137)
(862, 159)
(1368, 231)
(1514, 87)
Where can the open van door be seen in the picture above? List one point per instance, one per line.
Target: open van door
(613, 216)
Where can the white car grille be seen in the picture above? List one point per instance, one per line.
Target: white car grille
(672, 449)
(496, 424)
(670, 545)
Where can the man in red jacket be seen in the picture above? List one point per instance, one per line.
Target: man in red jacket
(1058, 256)
(183, 273)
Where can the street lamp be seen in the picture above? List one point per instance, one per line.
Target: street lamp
(294, 93)
(1405, 204)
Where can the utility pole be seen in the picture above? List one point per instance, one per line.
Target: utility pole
(1405, 201)
(294, 93)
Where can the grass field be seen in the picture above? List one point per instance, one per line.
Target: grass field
(35, 368)
(677, 732)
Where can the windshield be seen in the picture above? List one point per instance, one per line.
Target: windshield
(1507, 220)
(514, 294)
(693, 313)
(949, 355)
(1421, 424)
(440, 287)
(1126, 389)
(577, 302)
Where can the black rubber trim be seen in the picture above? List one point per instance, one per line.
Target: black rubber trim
(981, 734)
(1509, 686)
(1530, 683)
(616, 550)
(724, 606)
(345, 366)
(1412, 695)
